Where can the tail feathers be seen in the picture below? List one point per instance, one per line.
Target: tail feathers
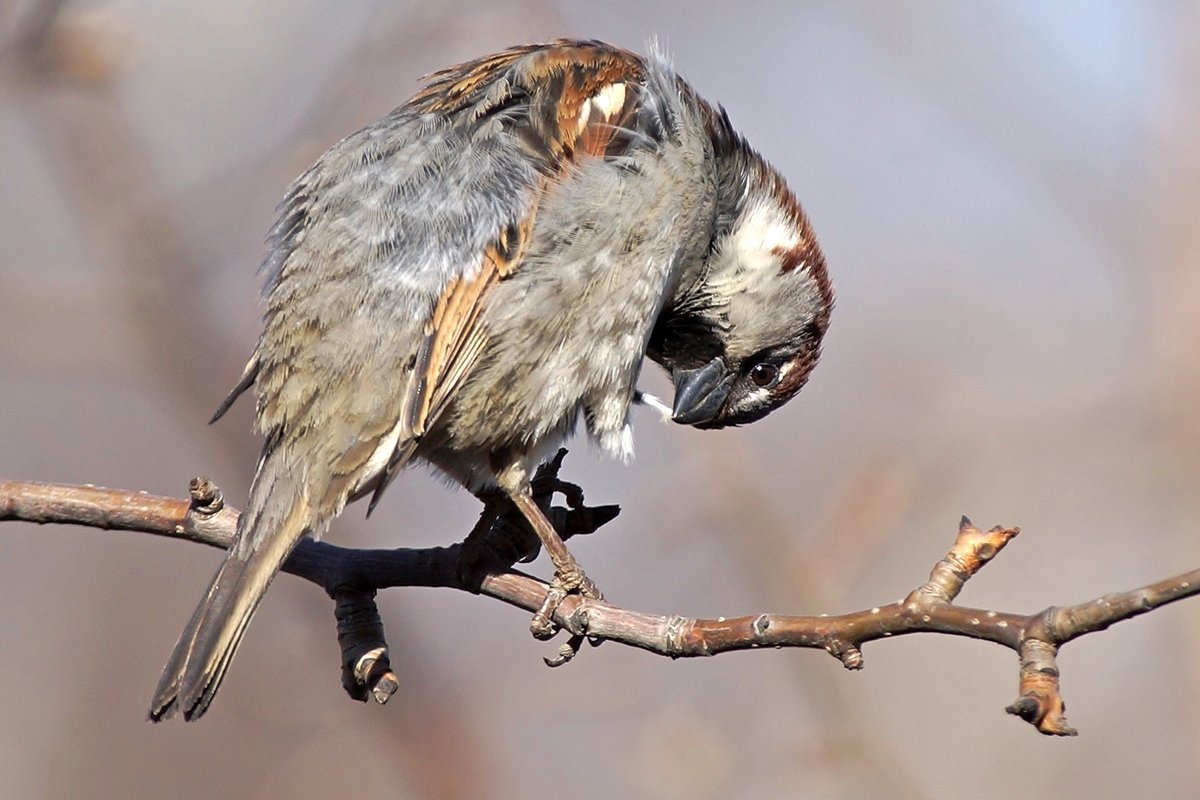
(208, 643)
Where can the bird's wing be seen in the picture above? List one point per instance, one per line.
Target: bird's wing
(576, 101)
(564, 105)
(447, 189)
(565, 100)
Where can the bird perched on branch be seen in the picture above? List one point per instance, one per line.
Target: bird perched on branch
(463, 281)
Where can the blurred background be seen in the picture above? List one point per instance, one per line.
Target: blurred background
(1007, 195)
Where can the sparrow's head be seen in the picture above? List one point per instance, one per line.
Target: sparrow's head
(741, 339)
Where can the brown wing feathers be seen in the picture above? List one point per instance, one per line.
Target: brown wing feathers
(452, 343)
(578, 96)
(579, 106)
(579, 99)
(453, 338)
(573, 101)
(574, 106)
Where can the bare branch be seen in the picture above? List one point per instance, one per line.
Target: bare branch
(483, 565)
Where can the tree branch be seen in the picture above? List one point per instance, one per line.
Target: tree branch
(482, 564)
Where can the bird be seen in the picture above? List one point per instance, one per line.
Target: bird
(464, 282)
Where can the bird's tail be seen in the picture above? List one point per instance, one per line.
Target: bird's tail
(194, 672)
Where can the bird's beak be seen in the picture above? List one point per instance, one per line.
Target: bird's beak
(700, 393)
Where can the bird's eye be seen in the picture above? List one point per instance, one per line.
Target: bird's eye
(764, 374)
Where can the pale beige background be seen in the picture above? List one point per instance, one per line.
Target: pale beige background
(1008, 197)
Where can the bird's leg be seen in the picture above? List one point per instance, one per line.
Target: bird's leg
(568, 575)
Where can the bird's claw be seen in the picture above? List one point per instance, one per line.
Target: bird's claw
(566, 652)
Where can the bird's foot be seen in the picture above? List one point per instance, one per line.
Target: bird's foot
(569, 578)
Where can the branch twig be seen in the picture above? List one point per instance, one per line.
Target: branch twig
(352, 576)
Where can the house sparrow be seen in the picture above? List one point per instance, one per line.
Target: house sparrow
(460, 282)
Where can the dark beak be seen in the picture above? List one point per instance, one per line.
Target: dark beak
(700, 393)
